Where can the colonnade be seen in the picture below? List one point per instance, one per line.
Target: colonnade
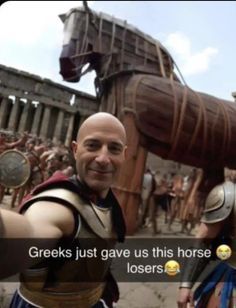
(39, 119)
(41, 107)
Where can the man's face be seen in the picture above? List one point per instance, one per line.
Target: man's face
(99, 154)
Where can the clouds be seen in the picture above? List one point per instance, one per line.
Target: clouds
(26, 22)
(18, 28)
(189, 61)
(31, 35)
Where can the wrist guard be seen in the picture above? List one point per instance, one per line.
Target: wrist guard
(194, 266)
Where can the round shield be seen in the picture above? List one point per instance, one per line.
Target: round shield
(14, 169)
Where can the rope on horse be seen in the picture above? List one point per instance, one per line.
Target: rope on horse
(162, 67)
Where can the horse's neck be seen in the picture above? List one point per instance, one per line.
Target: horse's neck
(129, 51)
(113, 93)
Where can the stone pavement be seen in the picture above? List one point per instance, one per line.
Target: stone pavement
(134, 294)
(155, 294)
(148, 295)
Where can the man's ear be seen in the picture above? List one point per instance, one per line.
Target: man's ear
(74, 145)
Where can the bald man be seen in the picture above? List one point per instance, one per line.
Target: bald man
(75, 208)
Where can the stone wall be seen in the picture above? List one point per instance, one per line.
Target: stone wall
(41, 106)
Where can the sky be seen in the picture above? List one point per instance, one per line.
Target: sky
(198, 34)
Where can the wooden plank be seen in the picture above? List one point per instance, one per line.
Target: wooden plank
(155, 107)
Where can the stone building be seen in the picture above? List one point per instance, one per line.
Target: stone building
(41, 107)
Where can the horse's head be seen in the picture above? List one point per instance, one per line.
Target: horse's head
(111, 46)
(77, 44)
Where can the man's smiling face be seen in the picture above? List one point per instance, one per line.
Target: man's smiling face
(99, 153)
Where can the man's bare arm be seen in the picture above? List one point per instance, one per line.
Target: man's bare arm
(20, 142)
(209, 231)
(43, 220)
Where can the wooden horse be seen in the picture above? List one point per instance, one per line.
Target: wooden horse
(136, 81)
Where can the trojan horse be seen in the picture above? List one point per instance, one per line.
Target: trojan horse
(136, 82)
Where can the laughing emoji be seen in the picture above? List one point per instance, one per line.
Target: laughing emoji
(172, 268)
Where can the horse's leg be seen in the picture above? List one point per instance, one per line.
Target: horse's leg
(129, 183)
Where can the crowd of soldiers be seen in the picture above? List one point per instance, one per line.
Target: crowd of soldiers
(176, 194)
(44, 156)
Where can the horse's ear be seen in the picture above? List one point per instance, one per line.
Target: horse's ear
(62, 17)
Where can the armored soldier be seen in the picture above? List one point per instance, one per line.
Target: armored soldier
(191, 205)
(148, 187)
(82, 206)
(218, 222)
(178, 194)
(161, 197)
(4, 146)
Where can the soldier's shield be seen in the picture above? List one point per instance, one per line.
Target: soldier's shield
(14, 169)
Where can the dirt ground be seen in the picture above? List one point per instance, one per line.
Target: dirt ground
(132, 295)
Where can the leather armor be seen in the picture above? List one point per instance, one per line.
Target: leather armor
(94, 225)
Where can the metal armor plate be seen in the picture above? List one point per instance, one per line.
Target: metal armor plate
(14, 169)
(215, 199)
(219, 203)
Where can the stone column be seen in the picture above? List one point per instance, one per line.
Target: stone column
(69, 130)
(25, 117)
(14, 116)
(37, 119)
(45, 122)
(4, 112)
(59, 126)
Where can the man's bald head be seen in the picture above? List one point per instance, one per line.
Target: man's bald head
(100, 151)
(103, 120)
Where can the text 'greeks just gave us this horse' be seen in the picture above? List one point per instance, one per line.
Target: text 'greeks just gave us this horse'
(135, 81)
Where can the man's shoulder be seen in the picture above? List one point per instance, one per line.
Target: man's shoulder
(59, 180)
